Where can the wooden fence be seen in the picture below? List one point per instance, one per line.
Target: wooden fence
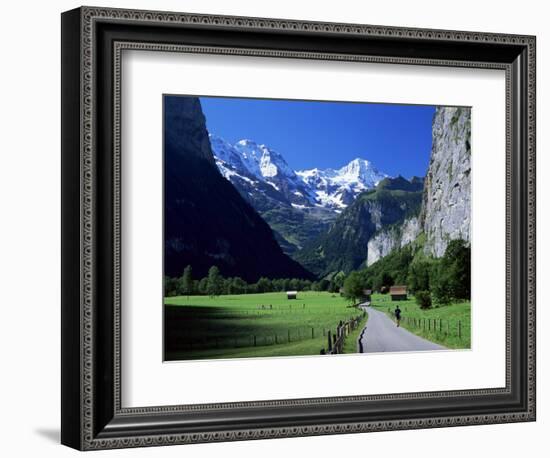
(183, 338)
(439, 325)
(335, 341)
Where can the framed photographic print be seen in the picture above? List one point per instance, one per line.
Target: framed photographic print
(277, 228)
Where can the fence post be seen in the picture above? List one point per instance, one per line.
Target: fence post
(276, 339)
(329, 341)
(313, 333)
(459, 329)
(254, 340)
(288, 335)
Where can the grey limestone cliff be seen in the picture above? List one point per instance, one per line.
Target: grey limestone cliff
(387, 240)
(446, 205)
(445, 213)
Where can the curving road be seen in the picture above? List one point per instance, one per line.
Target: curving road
(382, 335)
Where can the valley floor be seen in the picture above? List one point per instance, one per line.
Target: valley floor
(269, 324)
(252, 325)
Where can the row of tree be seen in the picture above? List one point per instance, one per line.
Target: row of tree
(214, 284)
(445, 279)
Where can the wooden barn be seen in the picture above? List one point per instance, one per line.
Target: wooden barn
(292, 294)
(366, 294)
(398, 293)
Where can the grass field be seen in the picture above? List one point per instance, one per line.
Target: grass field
(252, 325)
(445, 329)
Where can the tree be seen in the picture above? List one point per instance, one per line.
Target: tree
(336, 282)
(227, 286)
(214, 283)
(423, 299)
(418, 278)
(353, 286)
(451, 275)
(457, 259)
(324, 284)
(186, 285)
(170, 286)
(286, 284)
(263, 285)
(238, 286)
(294, 284)
(306, 285)
(203, 285)
(278, 284)
(440, 284)
(383, 279)
(252, 288)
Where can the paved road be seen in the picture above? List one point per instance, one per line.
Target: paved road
(382, 335)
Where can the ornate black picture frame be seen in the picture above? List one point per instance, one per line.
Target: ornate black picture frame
(92, 42)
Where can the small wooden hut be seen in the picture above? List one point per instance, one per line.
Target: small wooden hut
(292, 294)
(398, 293)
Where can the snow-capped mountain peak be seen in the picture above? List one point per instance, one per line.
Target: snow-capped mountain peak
(329, 188)
(360, 171)
(225, 152)
(338, 188)
(262, 161)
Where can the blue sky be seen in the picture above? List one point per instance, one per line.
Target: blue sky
(397, 139)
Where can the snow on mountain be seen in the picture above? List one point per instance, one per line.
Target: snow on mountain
(329, 188)
(359, 172)
(338, 188)
(263, 161)
(225, 152)
(229, 160)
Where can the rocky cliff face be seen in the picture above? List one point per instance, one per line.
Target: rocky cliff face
(385, 241)
(206, 221)
(446, 200)
(185, 131)
(446, 205)
(345, 246)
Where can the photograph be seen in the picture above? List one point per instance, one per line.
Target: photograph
(295, 222)
(297, 227)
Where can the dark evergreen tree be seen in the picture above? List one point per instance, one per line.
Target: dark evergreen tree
(186, 284)
(214, 286)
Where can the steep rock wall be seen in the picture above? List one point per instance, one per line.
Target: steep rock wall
(446, 205)
(385, 241)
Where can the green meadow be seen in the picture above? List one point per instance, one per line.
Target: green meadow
(252, 325)
(448, 325)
